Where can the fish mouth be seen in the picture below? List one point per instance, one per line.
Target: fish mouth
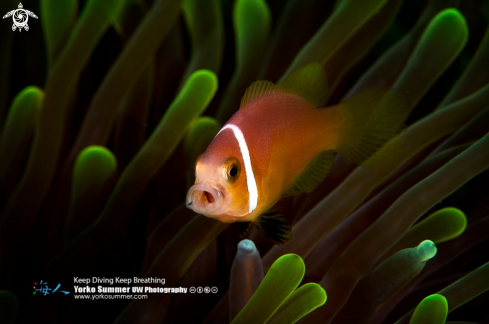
(205, 199)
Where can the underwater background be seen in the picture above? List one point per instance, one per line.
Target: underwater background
(105, 105)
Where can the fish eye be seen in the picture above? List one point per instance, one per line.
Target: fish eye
(231, 170)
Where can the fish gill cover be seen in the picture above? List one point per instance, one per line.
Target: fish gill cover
(105, 106)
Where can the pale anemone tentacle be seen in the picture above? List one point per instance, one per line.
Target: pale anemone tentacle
(245, 153)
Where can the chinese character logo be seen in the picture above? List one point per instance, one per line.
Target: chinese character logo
(44, 289)
(20, 17)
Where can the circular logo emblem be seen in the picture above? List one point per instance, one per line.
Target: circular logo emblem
(20, 18)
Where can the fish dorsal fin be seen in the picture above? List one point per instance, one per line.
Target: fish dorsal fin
(274, 227)
(257, 90)
(312, 175)
(308, 82)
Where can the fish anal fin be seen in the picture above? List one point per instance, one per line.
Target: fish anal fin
(312, 175)
(368, 121)
(244, 228)
(308, 82)
(274, 227)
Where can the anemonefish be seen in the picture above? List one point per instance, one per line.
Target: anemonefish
(279, 143)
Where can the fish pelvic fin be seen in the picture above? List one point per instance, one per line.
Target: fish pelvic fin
(369, 120)
(274, 227)
(244, 228)
(312, 175)
(308, 82)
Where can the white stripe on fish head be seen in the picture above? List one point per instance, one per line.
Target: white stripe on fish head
(245, 153)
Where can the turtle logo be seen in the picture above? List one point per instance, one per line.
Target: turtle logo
(20, 16)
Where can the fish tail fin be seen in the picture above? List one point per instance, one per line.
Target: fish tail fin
(368, 120)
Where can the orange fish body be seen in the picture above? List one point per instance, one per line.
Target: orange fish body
(280, 143)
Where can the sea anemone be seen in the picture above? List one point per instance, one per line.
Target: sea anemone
(105, 106)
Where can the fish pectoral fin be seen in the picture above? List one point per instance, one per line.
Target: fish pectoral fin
(274, 227)
(313, 174)
(244, 228)
(368, 121)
